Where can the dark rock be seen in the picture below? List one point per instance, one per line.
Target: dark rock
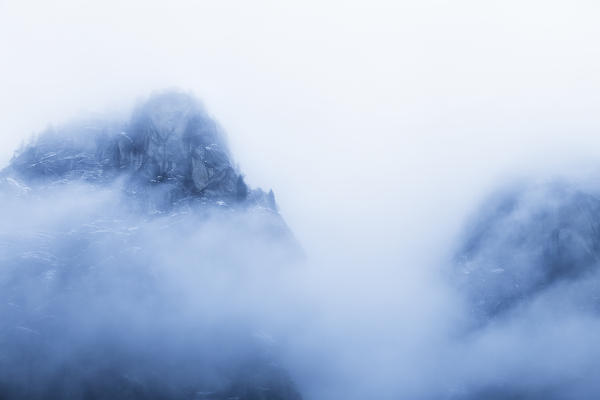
(525, 241)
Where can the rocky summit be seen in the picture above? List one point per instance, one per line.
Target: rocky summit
(170, 151)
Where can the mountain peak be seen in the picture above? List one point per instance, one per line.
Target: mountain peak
(170, 150)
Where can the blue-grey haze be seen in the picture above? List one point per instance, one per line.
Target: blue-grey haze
(137, 263)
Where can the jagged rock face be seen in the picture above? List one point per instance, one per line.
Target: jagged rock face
(169, 140)
(126, 252)
(527, 241)
(172, 138)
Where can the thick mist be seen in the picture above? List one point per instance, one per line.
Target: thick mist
(137, 263)
(436, 163)
(98, 301)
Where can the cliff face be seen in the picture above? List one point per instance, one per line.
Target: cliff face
(133, 256)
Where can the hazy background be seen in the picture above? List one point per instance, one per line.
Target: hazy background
(378, 124)
(345, 108)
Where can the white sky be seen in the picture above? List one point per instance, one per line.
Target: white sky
(375, 120)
